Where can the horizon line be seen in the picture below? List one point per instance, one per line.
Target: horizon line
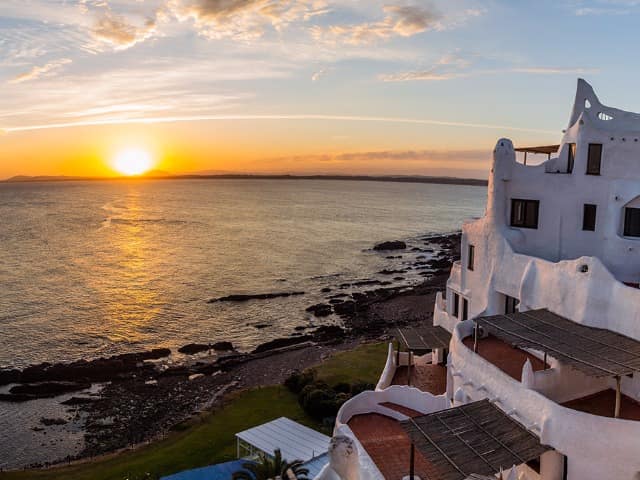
(351, 118)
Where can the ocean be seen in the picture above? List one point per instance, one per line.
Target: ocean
(90, 269)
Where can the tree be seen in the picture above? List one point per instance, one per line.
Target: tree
(269, 468)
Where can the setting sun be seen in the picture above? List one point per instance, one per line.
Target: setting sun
(133, 161)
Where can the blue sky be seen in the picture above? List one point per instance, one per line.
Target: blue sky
(323, 86)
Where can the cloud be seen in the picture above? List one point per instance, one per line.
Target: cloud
(244, 19)
(403, 21)
(318, 74)
(40, 71)
(456, 65)
(404, 162)
(556, 70)
(117, 32)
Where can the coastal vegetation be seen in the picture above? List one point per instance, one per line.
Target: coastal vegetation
(209, 438)
(272, 467)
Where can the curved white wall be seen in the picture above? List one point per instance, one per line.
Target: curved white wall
(597, 447)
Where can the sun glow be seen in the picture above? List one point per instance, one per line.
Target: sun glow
(133, 161)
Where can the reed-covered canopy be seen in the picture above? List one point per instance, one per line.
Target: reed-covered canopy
(596, 352)
(422, 340)
(476, 438)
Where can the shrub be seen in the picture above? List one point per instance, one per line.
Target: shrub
(298, 380)
(342, 387)
(360, 387)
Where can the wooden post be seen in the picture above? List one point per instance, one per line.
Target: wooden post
(545, 360)
(409, 367)
(411, 461)
(398, 354)
(618, 398)
(525, 158)
(475, 337)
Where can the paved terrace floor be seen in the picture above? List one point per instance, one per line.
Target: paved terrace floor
(507, 358)
(428, 378)
(603, 404)
(388, 445)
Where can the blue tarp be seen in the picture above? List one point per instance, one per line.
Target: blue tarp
(221, 471)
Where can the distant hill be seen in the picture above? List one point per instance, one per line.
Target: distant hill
(159, 175)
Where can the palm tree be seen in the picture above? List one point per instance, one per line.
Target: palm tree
(269, 468)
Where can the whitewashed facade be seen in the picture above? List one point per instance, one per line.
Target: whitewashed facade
(562, 235)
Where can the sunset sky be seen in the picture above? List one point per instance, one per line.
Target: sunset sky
(300, 86)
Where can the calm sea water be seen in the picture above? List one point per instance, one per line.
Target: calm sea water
(97, 268)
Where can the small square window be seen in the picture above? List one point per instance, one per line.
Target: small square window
(524, 213)
(594, 159)
(589, 217)
(470, 257)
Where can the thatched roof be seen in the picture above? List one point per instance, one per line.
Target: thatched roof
(594, 351)
(423, 339)
(476, 438)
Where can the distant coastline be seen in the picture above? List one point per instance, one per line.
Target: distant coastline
(365, 178)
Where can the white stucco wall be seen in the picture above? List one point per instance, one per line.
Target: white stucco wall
(597, 447)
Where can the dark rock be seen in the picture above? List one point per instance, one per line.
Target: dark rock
(48, 389)
(325, 290)
(193, 348)
(281, 342)
(260, 326)
(52, 421)
(79, 401)
(7, 397)
(320, 310)
(300, 328)
(398, 279)
(255, 296)
(98, 370)
(328, 333)
(345, 308)
(9, 376)
(335, 301)
(390, 272)
(393, 245)
(223, 346)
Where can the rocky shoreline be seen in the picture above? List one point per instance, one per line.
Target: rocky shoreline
(145, 395)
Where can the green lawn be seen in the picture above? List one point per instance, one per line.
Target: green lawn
(210, 438)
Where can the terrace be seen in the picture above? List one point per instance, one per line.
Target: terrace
(507, 358)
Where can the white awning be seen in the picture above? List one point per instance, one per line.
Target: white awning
(295, 441)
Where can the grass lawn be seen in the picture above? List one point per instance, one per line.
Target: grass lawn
(210, 438)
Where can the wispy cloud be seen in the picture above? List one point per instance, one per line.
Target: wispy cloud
(399, 21)
(556, 70)
(344, 118)
(456, 65)
(117, 32)
(40, 71)
(244, 19)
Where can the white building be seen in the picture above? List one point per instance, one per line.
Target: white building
(544, 314)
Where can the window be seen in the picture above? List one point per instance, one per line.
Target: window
(470, 257)
(589, 217)
(524, 213)
(594, 158)
(511, 304)
(571, 157)
(632, 222)
(456, 305)
(465, 309)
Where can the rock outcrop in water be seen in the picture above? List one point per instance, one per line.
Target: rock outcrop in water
(392, 245)
(81, 371)
(254, 296)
